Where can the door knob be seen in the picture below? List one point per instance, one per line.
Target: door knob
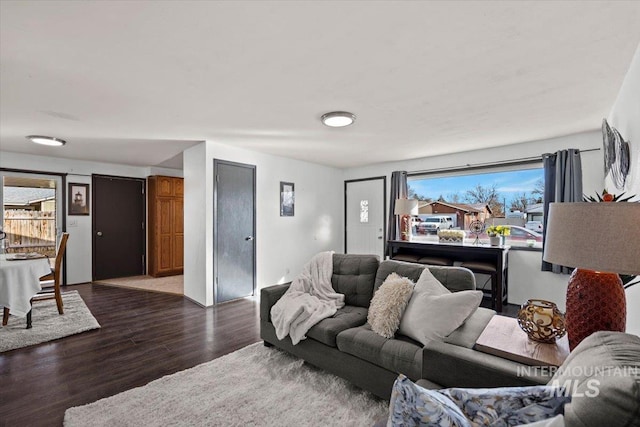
(248, 238)
(99, 233)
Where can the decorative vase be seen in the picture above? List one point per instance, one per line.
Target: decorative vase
(595, 302)
(495, 240)
(541, 320)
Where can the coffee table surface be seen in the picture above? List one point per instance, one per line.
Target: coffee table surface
(503, 338)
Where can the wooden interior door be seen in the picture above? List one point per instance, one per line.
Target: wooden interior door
(166, 225)
(178, 232)
(165, 212)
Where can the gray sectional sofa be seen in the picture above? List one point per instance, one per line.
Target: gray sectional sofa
(346, 346)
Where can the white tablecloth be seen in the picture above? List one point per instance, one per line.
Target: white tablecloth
(20, 281)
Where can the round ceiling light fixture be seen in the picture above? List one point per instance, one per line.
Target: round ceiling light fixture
(46, 140)
(338, 119)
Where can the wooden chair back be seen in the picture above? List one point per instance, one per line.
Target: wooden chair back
(57, 294)
(59, 257)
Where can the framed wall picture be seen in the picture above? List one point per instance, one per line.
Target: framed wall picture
(78, 199)
(287, 198)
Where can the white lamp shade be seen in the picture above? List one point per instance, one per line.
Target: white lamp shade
(406, 207)
(595, 236)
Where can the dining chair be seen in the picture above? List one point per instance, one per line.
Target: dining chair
(55, 276)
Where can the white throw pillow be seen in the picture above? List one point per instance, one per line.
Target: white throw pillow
(434, 312)
(388, 304)
(429, 284)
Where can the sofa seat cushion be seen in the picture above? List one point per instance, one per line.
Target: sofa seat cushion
(401, 354)
(328, 329)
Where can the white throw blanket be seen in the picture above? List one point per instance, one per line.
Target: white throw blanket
(309, 299)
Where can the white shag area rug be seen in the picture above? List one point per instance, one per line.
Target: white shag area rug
(47, 324)
(254, 386)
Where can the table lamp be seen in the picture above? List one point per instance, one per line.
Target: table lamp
(601, 240)
(405, 208)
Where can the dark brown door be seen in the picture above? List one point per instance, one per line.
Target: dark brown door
(118, 227)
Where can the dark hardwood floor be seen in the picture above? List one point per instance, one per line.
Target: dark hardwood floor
(144, 336)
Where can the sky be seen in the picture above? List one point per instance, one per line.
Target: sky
(508, 184)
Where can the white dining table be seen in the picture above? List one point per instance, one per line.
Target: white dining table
(20, 281)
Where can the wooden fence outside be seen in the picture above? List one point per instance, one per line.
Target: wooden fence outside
(30, 231)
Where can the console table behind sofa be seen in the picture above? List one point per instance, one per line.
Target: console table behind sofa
(497, 256)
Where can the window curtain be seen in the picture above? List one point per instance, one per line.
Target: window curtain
(562, 183)
(398, 191)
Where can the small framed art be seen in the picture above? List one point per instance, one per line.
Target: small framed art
(78, 199)
(287, 198)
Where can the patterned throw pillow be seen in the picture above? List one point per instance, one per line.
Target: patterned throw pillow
(412, 405)
(388, 304)
(508, 406)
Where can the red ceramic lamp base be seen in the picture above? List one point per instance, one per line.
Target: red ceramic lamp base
(405, 228)
(595, 302)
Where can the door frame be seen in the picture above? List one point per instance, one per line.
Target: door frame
(93, 220)
(384, 207)
(217, 162)
(63, 207)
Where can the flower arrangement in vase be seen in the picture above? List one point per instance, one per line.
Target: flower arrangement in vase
(497, 234)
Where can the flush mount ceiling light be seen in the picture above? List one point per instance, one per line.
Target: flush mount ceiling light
(46, 140)
(337, 119)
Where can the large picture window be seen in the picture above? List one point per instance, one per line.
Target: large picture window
(496, 197)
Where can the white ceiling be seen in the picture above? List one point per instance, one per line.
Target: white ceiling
(138, 82)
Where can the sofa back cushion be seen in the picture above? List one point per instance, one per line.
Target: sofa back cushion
(602, 374)
(453, 278)
(354, 276)
(404, 269)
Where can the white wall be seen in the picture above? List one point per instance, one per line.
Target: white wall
(625, 116)
(79, 247)
(198, 249)
(525, 278)
(284, 244)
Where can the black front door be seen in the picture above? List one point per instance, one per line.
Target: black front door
(234, 230)
(118, 227)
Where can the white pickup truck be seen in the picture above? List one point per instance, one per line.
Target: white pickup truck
(434, 223)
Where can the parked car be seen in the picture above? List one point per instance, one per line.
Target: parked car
(521, 233)
(434, 223)
(534, 225)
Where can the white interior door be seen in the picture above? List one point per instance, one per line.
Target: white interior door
(365, 216)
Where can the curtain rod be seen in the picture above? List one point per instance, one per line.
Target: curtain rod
(519, 161)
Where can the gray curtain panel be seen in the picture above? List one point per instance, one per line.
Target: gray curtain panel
(562, 183)
(398, 191)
